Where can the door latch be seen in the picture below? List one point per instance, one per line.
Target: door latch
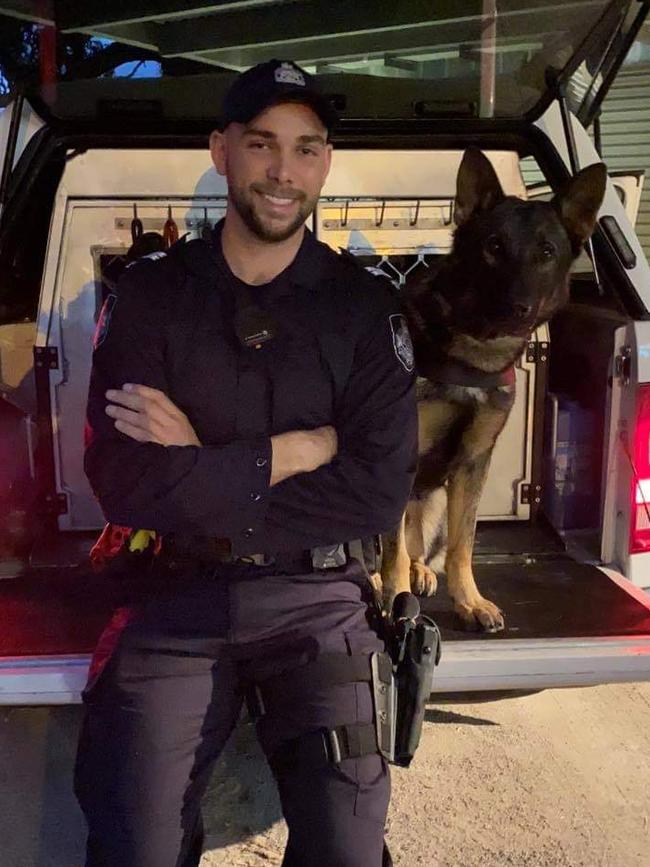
(623, 365)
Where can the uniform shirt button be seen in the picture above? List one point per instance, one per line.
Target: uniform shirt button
(256, 497)
(249, 532)
(261, 462)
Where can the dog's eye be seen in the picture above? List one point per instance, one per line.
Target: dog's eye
(493, 246)
(547, 250)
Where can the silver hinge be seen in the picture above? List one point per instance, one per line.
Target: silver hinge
(623, 365)
(56, 504)
(46, 357)
(537, 352)
(530, 494)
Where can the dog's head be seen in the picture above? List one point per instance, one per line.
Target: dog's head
(512, 258)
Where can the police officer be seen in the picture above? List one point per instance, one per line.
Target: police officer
(252, 402)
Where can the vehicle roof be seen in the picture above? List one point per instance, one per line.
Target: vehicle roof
(376, 59)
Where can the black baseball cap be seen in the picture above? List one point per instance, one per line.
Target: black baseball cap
(272, 83)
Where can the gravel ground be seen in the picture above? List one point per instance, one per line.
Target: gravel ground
(557, 779)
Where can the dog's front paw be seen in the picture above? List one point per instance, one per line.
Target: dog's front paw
(480, 614)
(423, 580)
(383, 592)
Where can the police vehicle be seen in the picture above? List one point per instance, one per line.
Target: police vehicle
(563, 543)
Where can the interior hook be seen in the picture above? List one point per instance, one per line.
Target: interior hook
(136, 225)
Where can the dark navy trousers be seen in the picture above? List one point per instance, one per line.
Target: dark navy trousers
(166, 689)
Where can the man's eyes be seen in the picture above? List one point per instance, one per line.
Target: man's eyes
(303, 149)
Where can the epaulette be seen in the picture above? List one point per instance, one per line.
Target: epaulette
(353, 262)
(166, 265)
(157, 254)
(178, 247)
(186, 254)
(194, 255)
(349, 258)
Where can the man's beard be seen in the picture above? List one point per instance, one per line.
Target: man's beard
(242, 201)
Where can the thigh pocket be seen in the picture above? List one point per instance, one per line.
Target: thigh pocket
(369, 773)
(370, 777)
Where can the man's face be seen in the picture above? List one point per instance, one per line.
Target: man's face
(275, 166)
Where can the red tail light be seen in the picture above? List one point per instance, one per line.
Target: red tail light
(640, 523)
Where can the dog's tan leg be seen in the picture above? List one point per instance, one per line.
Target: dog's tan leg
(395, 566)
(464, 492)
(424, 581)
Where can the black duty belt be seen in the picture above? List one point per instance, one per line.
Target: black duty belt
(180, 552)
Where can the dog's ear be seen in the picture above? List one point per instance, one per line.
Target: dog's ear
(477, 186)
(578, 203)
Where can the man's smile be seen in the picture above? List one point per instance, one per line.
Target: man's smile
(279, 201)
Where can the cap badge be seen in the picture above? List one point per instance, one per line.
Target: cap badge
(286, 73)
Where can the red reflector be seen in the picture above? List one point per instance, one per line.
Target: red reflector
(640, 493)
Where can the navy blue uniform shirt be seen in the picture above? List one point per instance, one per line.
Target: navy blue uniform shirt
(338, 357)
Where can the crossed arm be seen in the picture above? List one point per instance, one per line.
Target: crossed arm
(147, 415)
(293, 490)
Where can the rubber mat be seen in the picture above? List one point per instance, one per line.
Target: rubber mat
(53, 612)
(552, 598)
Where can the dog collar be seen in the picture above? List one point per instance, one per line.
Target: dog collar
(454, 373)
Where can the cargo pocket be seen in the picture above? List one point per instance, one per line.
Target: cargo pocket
(371, 779)
(370, 774)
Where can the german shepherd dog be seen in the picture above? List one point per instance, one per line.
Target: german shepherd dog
(507, 272)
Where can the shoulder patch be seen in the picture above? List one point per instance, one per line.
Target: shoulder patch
(402, 343)
(101, 331)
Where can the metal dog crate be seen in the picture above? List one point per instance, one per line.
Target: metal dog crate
(373, 213)
(371, 210)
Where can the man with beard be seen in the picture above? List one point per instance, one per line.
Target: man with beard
(250, 405)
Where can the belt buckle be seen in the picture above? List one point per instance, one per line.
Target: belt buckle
(256, 560)
(332, 746)
(329, 556)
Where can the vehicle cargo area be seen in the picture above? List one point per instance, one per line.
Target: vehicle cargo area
(544, 592)
(541, 518)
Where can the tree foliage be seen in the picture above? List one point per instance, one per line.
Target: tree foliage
(21, 52)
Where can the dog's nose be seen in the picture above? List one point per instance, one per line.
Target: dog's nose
(521, 311)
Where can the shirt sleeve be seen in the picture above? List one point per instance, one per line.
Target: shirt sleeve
(213, 490)
(365, 489)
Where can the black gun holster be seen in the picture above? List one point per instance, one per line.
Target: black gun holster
(402, 680)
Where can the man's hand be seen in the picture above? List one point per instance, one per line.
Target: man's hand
(149, 416)
(302, 451)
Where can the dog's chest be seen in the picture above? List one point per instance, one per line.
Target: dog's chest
(456, 420)
(487, 355)
(465, 396)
